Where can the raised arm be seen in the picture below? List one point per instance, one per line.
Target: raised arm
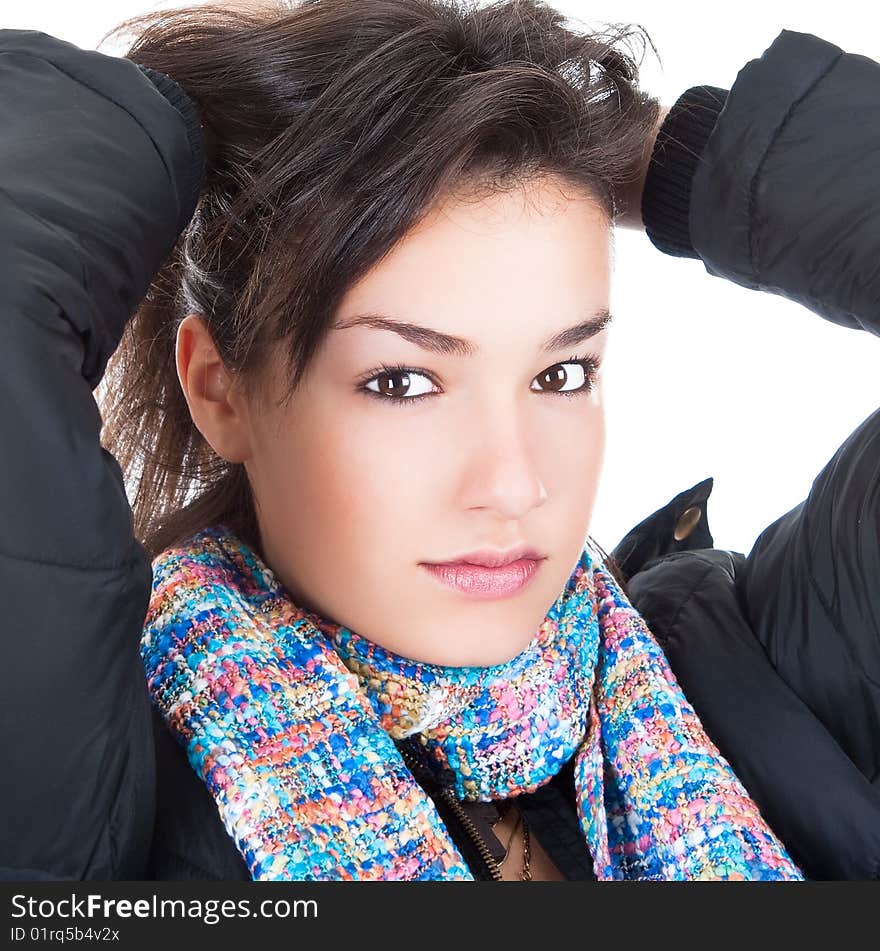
(100, 166)
(782, 195)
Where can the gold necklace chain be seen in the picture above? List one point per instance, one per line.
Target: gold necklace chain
(526, 873)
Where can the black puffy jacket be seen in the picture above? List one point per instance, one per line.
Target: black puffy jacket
(772, 185)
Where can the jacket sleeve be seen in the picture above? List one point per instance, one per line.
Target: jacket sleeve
(774, 186)
(100, 167)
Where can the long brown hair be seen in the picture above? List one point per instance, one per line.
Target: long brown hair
(332, 126)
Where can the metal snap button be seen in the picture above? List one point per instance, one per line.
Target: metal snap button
(686, 522)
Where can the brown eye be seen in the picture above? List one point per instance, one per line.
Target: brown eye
(555, 379)
(397, 385)
(389, 389)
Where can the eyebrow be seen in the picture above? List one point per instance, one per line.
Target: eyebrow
(446, 344)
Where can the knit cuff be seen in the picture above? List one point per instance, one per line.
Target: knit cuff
(666, 196)
(175, 95)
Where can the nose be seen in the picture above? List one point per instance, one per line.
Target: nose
(503, 472)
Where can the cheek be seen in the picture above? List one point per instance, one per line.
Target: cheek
(357, 479)
(580, 456)
(590, 446)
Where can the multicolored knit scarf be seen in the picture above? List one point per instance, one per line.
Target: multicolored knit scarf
(290, 721)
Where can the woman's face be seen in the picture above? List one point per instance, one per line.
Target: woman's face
(359, 482)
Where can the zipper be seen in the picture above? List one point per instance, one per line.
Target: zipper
(430, 774)
(464, 820)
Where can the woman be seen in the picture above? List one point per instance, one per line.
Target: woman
(446, 738)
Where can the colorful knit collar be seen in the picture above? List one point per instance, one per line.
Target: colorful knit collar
(290, 721)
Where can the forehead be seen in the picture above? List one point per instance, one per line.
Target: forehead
(533, 250)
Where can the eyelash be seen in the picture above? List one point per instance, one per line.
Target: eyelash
(590, 366)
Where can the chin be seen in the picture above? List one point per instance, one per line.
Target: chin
(491, 656)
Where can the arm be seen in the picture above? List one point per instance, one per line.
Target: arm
(99, 173)
(773, 185)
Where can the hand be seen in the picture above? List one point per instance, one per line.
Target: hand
(631, 216)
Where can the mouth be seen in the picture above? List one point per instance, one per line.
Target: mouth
(482, 582)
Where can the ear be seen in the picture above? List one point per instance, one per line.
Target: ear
(218, 409)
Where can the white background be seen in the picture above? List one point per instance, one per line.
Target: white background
(704, 378)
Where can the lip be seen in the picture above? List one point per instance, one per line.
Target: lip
(494, 558)
(484, 583)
